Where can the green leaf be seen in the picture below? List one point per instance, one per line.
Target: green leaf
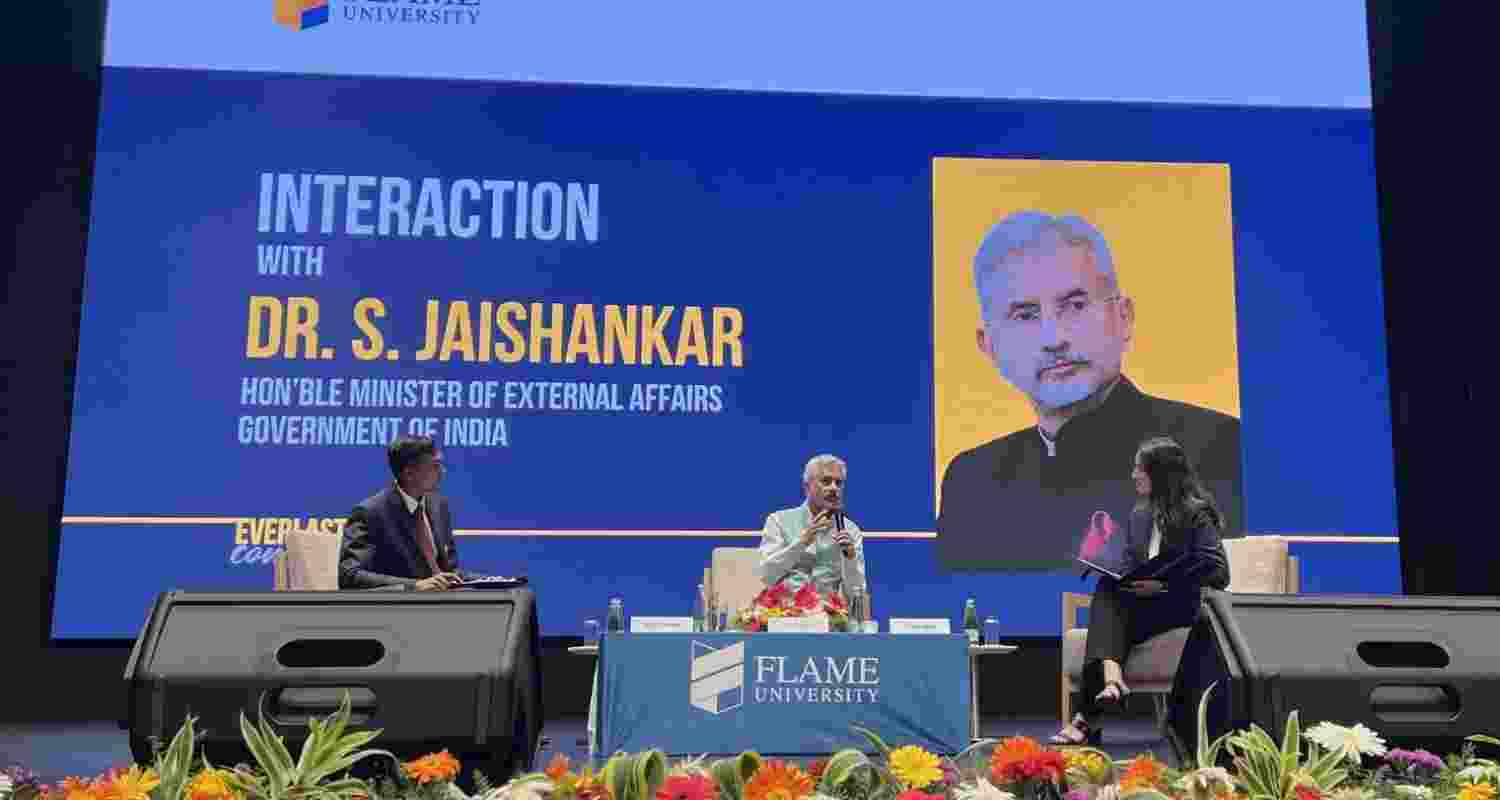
(726, 775)
(732, 773)
(1483, 739)
(874, 739)
(354, 758)
(1291, 745)
(1204, 754)
(260, 751)
(648, 772)
(275, 746)
(842, 766)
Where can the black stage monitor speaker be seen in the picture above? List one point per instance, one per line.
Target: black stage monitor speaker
(456, 670)
(1421, 671)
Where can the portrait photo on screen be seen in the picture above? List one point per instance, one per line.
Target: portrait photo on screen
(1079, 308)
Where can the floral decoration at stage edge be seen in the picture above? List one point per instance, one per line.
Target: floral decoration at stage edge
(778, 601)
(1326, 762)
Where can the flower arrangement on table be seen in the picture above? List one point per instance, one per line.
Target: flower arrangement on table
(1326, 761)
(778, 601)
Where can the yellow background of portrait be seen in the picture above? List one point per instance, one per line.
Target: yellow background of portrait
(1170, 230)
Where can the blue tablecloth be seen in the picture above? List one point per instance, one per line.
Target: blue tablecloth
(780, 693)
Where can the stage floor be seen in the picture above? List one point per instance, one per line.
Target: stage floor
(60, 750)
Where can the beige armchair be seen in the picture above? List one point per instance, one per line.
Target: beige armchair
(1257, 564)
(308, 562)
(732, 582)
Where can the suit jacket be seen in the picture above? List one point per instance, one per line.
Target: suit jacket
(380, 542)
(1012, 504)
(1195, 553)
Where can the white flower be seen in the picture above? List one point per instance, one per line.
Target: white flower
(523, 790)
(1479, 772)
(1353, 741)
(1415, 792)
(981, 789)
(5, 786)
(1207, 782)
(1109, 792)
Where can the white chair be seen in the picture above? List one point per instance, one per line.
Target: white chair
(1257, 564)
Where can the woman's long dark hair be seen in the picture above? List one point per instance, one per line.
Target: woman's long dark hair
(1178, 497)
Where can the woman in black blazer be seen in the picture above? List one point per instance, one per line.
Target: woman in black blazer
(1174, 533)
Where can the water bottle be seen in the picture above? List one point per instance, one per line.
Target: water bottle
(856, 610)
(971, 621)
(615, 622)
(700, 612)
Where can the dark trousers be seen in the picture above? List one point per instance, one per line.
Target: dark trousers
(1119, 621)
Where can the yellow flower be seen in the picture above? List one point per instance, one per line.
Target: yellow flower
(915, 768)
(134, 784)
(1477, 791)
(1089, 764)
(775, 612)
(211, 784)
(777, 780)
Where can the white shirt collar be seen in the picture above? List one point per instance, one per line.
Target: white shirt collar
(1050, 442)
(412, 503)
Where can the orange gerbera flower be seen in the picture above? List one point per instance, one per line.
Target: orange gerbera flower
(211, 784)
(557, 767)
(1021, 758)
(432, 767)
(589, 786)
(132, 784)
(778, 780)
(78, 789)
(1144, 772)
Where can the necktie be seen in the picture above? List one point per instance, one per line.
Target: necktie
(424, 538)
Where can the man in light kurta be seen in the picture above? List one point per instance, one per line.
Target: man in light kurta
(808, 543)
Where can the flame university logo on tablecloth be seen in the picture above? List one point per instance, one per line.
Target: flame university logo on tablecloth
(718, 678)
(301, 14)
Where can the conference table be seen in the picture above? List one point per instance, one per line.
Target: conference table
(782, 693)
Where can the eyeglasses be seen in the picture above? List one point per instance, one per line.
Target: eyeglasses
(1067, 311)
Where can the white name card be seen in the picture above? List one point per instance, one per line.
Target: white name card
(661, 624)
(817, 623)
(899, 625)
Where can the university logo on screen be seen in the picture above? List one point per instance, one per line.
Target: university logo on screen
(718, 681)
(299, 15)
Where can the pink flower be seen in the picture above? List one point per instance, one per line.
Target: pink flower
(834, 603)
(772, 596)
(1101, 528)
(807, 598)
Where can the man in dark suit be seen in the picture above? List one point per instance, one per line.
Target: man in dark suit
(1056, 326)
(403, 536)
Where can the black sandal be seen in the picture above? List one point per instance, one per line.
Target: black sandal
(1088, 735)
